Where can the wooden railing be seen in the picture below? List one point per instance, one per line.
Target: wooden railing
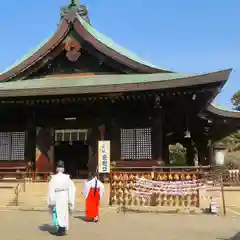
(25, 177)
(231, 177)
(13, 177)
(19, 181)
(82, 173)
(166, 169)
(40, 176)
(17, 191)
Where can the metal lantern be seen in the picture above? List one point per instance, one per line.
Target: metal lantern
(187, 134)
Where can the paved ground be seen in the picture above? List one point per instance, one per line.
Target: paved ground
(17, 225)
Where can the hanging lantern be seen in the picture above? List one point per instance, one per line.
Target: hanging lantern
(187, 134)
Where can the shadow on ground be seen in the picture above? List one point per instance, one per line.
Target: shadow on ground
(154, 211)
(47, 228)
(235, 237)
(84, 219)
(80, 218)
(204, 211)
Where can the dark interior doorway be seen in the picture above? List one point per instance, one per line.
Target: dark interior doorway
(74, 156)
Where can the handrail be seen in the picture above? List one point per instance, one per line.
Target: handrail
(17, 190)
(10, 173)
(154, 168)
(22, 176)
(162, 167)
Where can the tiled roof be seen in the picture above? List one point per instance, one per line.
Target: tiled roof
(81, 81)
(106, 83)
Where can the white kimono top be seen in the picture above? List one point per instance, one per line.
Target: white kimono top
(91, 184)
(61, 193)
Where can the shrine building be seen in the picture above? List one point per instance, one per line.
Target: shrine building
(79, 87)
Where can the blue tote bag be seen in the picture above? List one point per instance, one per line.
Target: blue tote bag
(54, 217)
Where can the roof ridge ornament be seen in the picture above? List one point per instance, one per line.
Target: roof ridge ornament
(75, 5)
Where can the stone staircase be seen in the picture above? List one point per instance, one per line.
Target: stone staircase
(34, 196)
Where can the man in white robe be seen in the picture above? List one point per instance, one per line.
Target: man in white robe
(61, 198)
(93, 193)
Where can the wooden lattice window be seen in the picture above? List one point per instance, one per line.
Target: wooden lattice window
(18, 146)
(136, 143)
(71, 135)
(12, 146)
(5, 146)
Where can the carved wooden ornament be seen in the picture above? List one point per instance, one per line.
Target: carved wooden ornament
(73, 48)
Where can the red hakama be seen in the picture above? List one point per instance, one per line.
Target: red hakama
(92, 203)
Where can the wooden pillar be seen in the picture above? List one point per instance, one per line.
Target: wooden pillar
(90, 151)
(157, 139)
(166, 152)
(30, 149)
(115, 138)
(202, 152)
(44, 149)
(201, 157)
(102, 131)
(210, 153)
(92, 141)
(190, 152)
(97, 133)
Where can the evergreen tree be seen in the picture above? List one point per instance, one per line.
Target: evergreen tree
(236, 100)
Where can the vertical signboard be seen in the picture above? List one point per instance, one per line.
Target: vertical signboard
(103, 156)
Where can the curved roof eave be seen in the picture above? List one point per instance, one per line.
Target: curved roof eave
(107, 46)
(37, 54)
(223, 112)
(107, 83)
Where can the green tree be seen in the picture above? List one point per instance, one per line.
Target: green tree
(232, 142)
(236, 100)
(177, 154)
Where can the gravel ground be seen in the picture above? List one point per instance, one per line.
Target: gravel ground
(24, 225)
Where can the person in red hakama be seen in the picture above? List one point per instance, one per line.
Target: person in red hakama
(93, 193)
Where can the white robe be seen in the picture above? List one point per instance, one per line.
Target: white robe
(61, 193)
(91, 184)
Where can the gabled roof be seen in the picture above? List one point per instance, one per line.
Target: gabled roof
(107, 83)
(89, 34)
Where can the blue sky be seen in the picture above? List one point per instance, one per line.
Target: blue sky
(181, 35)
